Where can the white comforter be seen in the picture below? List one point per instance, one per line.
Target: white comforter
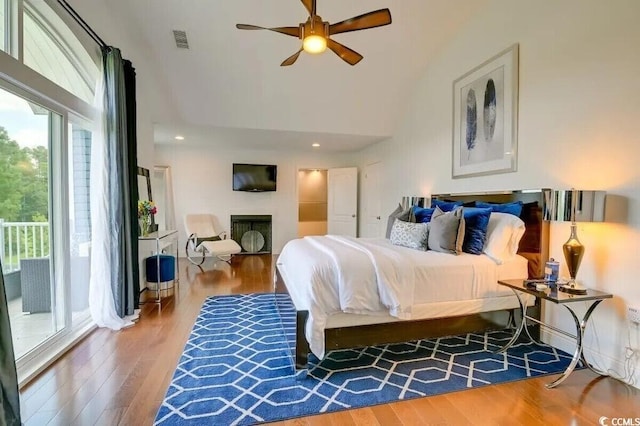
(344, 274)
(333, 277)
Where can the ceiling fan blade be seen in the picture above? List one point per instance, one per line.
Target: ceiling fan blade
(349, 56)
(310, 5)
(292, 31)
(373, 19)
(291, 59)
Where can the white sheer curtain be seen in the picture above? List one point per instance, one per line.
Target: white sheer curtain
(101, 298)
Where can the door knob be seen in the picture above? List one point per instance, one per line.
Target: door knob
(353, 215)
(378, 217)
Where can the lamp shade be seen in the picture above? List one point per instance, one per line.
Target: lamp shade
(575, 206)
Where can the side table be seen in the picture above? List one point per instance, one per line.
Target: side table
(552, 294)
(162, 239)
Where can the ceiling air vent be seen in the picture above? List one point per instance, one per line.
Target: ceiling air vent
(181, 39)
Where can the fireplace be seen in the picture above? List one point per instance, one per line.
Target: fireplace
(252, 233)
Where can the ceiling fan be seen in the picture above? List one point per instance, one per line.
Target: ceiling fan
(316, 33)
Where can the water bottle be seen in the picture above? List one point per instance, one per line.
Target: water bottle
(551, 270)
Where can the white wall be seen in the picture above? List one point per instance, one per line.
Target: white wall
(579, 122)
(203, 184)
(153, 103)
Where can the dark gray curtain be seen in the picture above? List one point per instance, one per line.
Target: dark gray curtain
(9, 396)
(120, 135)
(132, 152)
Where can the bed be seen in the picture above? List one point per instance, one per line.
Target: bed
(419, 294)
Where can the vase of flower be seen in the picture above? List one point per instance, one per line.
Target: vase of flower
(145, 225)
(146, 209)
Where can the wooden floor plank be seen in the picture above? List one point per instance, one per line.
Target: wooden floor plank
(82, 401)
(341, 418)
(408, 413)
(385, 415)
(365, 416)
(110, 417)
(120, 378)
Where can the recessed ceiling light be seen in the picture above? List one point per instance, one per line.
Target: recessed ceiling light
(179, 138)
(315, 145)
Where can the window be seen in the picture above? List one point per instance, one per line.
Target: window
(25, 139)
(45, 150)
(51, 49)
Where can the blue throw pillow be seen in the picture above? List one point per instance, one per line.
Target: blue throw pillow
(476, 221)
(446, 206)
(422, 215)
(514, 208)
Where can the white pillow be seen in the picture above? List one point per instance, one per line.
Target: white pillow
(409, 234)
(503, 236)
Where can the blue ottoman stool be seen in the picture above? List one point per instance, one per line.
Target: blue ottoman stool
(167, 268)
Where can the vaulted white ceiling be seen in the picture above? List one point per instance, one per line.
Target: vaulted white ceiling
(229, 86)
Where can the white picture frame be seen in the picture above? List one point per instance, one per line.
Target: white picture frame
(485, 117)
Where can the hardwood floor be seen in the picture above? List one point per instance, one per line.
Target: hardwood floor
(120, 378)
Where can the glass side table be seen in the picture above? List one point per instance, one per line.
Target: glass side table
(161, 240)
(551, 294)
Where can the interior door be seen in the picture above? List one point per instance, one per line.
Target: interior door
(343, 201)
(371, 202)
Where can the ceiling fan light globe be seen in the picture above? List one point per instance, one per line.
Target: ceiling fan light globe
(314, 44)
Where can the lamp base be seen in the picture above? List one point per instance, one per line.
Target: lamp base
(572, 288)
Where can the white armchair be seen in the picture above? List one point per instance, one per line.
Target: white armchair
(204, 240)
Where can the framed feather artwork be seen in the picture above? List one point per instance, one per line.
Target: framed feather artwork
(485, 117)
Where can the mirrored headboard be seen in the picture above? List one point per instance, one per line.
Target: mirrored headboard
(534, 245)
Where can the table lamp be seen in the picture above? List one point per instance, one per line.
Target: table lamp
(574, 206)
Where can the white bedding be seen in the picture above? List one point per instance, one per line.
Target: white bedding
(336, 277)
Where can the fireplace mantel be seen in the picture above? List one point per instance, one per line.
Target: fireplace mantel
(252, 232)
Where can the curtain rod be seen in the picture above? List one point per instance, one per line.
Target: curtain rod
(83, 24)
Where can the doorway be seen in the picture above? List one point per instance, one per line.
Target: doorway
(312, 202)
(162, 185)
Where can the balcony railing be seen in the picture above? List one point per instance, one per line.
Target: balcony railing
(22, 240)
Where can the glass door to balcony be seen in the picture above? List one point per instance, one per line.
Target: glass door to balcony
(36, 303)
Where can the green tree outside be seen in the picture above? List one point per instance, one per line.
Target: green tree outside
(13, 163)
(24, 190)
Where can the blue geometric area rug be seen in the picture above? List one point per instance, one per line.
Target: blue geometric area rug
(237, 367)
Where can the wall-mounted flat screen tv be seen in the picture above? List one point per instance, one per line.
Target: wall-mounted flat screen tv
(254, 177)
